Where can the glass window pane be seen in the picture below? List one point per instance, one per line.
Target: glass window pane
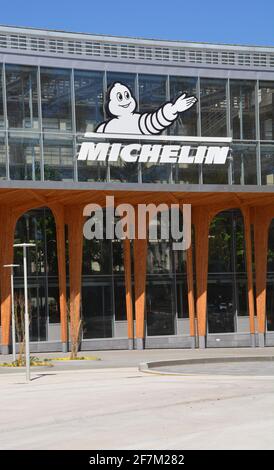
(53, 304)
(213, 107)
(267, 164)
(96, 256)
(160, 311)
(266, 108)
(97, 310)
(120, 299)
(58, 157)
(215, 174)
(186, 124)
(91, 171)
(22, 97)
(88, 100)
(24, 156)
(3, 157)
(242, 109)
(56, 99)
(159, 257)
(185, 174)
(2, 120)
(270, 304)
(244, 164)
(152, 92)
(182, 298)
(220, 306)
(127, 79)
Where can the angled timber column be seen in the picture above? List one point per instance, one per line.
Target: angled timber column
(201, 219)
(190, 289)
(7, 227)
(128, 286)
(58, 212)
(261, 226)
(140, 269)
(74, 219)
(248, 248)
(190, 294)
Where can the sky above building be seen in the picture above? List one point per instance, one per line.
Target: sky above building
(233, 22)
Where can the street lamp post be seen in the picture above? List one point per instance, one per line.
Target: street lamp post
(27, 352)
(13, 333)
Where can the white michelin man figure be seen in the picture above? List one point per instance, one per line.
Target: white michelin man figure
(121, 107)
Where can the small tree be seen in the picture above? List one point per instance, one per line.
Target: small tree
(75, 332)
(19, 317)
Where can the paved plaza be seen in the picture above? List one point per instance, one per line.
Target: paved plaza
(99, 406)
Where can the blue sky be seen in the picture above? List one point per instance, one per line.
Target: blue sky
(232, 21)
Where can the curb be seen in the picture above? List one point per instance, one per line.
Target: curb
(151, 367)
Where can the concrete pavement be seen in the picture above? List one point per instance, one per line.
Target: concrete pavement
(120, 408)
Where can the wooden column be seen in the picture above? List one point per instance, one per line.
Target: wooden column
(8, 222)
(190, 294)
(74, 218)
(128, 286)
(261, 226)
(140, 265)
(248, 250)
(60, 239)
(201, 220)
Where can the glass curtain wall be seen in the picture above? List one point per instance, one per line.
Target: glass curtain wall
(38, 226)
(45, 111)
(227, 281)
(166, 287)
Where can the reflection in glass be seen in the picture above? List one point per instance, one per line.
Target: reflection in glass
(22, 97)
(160, 308)
(244, 164)
(123, 171)
(96, 256)
(182, 298)
(270, 304)
(58, 157)
(156, 173)
(266, 108)
(267, 164)
(38, 226)
(227, 294)
(120, 299)
(91, 171)
(215, 174)
(97, 312)
(2, 119)
(213, 107)
(56, 99)
(185, 174)
(220, 306)
(242, 109)
(53, 304)
(24, 156)
(159, 257)
(186, 124)
(88, 100)
(152, 92)
(3, 157)
(127, 79)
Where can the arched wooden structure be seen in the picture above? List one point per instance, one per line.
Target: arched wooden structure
(67, 207)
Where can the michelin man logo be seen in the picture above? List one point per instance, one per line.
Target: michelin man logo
(121, 106)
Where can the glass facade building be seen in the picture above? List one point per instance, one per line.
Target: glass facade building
(52, 91)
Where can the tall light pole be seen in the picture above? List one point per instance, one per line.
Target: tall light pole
(13, 332)
(27, 354)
